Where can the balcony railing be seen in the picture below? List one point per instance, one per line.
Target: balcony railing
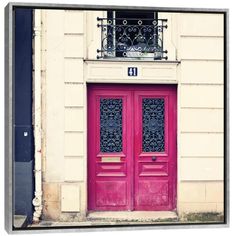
(132, 38)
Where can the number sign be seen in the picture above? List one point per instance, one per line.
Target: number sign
(132, 71)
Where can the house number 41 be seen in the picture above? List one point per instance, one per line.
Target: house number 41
(132, 71)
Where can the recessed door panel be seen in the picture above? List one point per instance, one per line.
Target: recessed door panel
(111, 194)
(131, 147)
(153, 194)
(111, 169)
(153, 169)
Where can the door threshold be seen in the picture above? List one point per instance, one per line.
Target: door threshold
(133, 215)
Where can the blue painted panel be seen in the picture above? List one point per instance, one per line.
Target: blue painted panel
(24, 191)
(23, 66)
(23, 85)
(24, 146)
(23, 128)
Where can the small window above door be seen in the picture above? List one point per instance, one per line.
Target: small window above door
(132, 34)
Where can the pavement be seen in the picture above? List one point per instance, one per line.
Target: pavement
(116, 218)
(20, 221)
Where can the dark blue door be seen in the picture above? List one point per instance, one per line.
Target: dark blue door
(23, 129)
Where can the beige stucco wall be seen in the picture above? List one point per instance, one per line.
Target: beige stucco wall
(64, 178)
(200, 113)
(69, 43)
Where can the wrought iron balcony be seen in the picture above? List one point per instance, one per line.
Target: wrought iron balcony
(132, 38)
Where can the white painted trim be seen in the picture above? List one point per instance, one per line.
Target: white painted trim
(37, 201)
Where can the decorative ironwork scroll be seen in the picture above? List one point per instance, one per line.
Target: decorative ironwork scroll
(153, 124)
(132, 38)
(110, 125)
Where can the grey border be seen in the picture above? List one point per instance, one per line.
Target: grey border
(9, 112)
(8, 117)
(226, 119)
(101, 7)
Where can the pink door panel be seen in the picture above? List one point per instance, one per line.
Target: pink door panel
(111, 194)
(131, 147)
(109, 149)
(155, 148)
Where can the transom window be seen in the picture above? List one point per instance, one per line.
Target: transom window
(132, 34)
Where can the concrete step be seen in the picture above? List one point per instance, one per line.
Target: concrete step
(20, 221)
(133, 216)
(117, 218)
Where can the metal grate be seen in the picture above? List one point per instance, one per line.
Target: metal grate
(153, 124)
(132, 38)
(110, 125)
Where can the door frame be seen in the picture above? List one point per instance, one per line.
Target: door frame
(139, 87)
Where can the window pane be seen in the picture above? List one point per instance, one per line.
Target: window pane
(111, 125)
(134, 32)
(153, 125)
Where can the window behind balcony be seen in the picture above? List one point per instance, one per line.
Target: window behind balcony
(132, 34)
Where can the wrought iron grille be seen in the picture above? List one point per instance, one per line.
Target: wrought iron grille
(132, 38)
(153, 124)
(110, 125)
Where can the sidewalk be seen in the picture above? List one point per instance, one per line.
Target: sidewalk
(117, 218)
(135, 218)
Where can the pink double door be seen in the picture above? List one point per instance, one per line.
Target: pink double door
(131, 147)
